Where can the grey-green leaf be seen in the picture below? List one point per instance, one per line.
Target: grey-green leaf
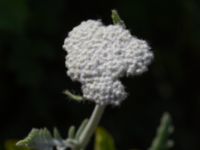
(103, 140)
(162, 141)
(72, 96)
(56, 134)
(71, 132)
(116, 18)
(39, 139)
(81, 128)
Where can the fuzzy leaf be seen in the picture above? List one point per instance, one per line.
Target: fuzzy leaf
(72, 96)
(56, 134)
(71, 132)
(81, 128)
(104, 140)
(38, 139)
(116, 18)
(161, 141)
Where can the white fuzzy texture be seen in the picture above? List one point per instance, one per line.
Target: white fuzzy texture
(99, 55)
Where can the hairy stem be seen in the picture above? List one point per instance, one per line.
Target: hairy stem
(91, 126)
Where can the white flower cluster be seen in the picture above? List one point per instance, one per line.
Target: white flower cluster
(98, 55)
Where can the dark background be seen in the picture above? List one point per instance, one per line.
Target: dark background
(33, 74)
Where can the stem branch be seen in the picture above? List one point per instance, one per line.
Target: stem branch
(91, 126)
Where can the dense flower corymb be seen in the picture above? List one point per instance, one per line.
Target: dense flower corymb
(98, 55)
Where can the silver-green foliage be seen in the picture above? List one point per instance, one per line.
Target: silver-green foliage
(42, 139)
(161, 141)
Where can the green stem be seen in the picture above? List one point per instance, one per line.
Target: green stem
(91, 126)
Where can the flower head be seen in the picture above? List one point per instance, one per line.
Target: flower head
(99, 55)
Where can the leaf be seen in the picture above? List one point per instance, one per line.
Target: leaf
(11, 145)
(40, 139)
(103, 140)
(71, 132)
(56, 134)
(72, 96)
(81, 128)
(116, 18)
(161, 141)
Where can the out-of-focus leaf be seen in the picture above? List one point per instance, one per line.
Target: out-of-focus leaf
(103, 140)
(116, 18)
(38, 139)
(41, 139)
(72, 96)
(56, 134)
(161, 141)
(71, 132)
(11, 145)
(81, 128)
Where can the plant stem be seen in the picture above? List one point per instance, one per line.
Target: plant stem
(91, 126)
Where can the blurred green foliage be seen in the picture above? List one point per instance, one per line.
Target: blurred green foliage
(103, 140)
(162, 139)
(11, 145)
